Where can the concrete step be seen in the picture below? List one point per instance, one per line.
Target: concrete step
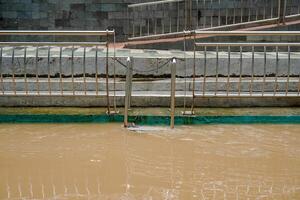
(246, 85)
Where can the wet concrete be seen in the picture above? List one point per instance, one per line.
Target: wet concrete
(92, 161)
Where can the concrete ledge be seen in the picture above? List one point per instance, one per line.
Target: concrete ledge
(147, 101)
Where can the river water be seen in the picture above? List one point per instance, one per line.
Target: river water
(106, 161)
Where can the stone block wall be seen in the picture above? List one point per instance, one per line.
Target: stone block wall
(105, 14)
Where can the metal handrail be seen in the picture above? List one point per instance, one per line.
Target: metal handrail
(246, 33)
(152, 3)
(52, 43)
(55, 32)
(246, 44)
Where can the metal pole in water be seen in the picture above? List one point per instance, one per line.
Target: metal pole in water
(127, 93)
(173, 82)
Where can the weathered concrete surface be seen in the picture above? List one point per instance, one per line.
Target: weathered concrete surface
(148, 63)
(211, 84)
(84, 101)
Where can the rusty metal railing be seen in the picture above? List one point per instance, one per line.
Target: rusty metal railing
(24, 75)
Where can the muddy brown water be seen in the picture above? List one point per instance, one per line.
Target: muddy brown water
(106, 161)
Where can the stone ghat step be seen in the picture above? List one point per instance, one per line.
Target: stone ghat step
(89, 84)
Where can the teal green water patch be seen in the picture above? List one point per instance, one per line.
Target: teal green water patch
(149, 120)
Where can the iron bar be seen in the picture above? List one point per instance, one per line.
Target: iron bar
(241, 11)
(217, 69)
(288, 73)
(127, 88)
(185, 74)
(211, 14)
(96, 70)
(194, 77)
(52, 43)
(60, 72)
(106, 78)
(25, 70)
(61, 33)
(37, 70)
(252, 71)
(13, 70)
(153, 3)
(228, 71)
(247, 33)
(48, 70)
(114, 67)
(204, 71)
(173, 89)
(241, 70)
(84, 70)
(1, 73)
(219, 14)
(238, 44)
(205, 10)
(276, 71)
(265, 70)
(72, 70)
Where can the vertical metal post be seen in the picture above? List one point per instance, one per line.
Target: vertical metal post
(217, 70)
(148, 23)
(155, 21)
(170, 18)
(1, 75)
(130, 82)
(72, 70)
(96, 71)
(241, 10)
(84, 70)
(25, 70)
(133, 22)
(173, 88)
(48, 68)
(185, 74)
(234, 14)
(204, 72)
(127, 93)
(284, 11)
(141, 20)
(288, 73)
(197, 6)
(241, 69)
(219, 14)
(178, 16)
(272, 8)
(252, 72)
(194, 76)
(204, 8)
(211, 14)
(226, 16)
(163, 19)
(114, 66)
(281, 11)
(37, 70)
(256, 14)
(13, 70)
(228, 71)
(264, 15)
(265, 70)
(276, 72)
(106, 77)
(249, 14)
(60, 72)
